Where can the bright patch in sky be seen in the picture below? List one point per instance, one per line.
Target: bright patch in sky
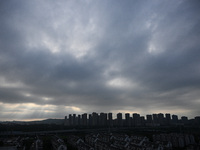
(120, 83)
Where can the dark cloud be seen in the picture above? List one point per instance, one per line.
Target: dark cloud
(65, 57)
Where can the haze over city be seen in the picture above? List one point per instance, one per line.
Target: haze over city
(64, 57)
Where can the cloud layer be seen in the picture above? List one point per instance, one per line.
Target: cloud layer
(60, 57)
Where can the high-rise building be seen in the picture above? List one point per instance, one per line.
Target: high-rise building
(127, 120)
(168, 119)
(79, 120)
(197, 120)
(110, 119)
(70, 120)
(155, 118)
(184, 119)
(102, 119)
(161, 119)
(84, 119)
(142, 120)
(74, 120)
(119, 119)
(174, 119)
(136, 119)
(95, 119)
(149, 119)
(105, 119)
(90, 120)
(66, 121)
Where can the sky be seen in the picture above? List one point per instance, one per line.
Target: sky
(62, 57)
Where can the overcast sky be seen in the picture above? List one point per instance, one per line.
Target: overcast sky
(61, 57)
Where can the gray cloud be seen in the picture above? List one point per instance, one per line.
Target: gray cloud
(99, 56)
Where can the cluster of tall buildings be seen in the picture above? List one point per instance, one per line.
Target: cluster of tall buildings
(134, 120)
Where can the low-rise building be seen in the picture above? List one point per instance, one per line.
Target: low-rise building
(58, 143)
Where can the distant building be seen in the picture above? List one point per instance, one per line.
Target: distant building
(197, 120)
(184, 119)
(79, 120)
(174, 119)
(103, 119)
(95, 119)
(142, 120)
(84, 119)
(90, 120)
(70, 120)
(74, 120)
(161, 119)
(127, 120)
(136, 119)
(168, 119)
(119, 119)
(155, 118)
(66, 122)
(110, 119)
(149, 119)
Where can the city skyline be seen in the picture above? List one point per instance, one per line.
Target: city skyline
(128, 120)
(114, 116)
(65, 57)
